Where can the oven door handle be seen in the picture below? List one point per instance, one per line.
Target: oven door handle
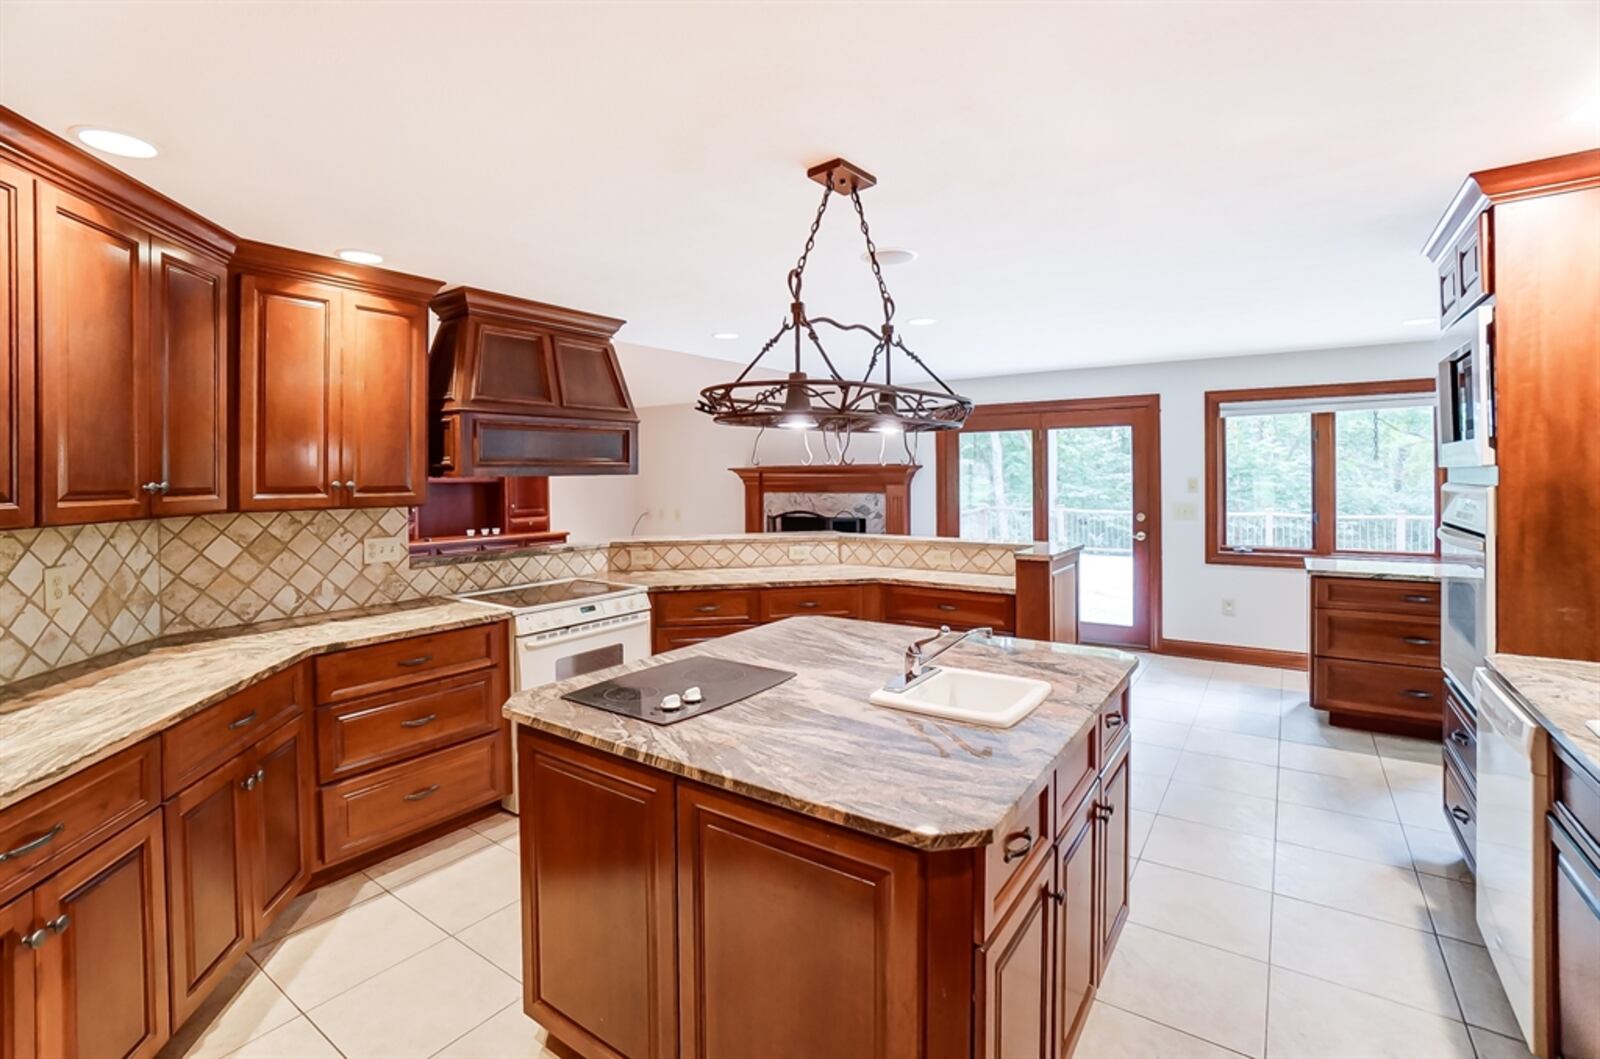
(1471, 541)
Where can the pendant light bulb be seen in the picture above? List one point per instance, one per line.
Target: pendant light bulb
(797, 413)
(888, 421)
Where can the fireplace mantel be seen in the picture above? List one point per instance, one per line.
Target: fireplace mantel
(893, 480)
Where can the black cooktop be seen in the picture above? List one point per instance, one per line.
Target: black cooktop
(548, 592)
(640, 694)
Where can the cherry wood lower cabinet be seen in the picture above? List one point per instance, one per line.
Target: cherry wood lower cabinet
(663, 917)
(1574, 919)
(1375, 654)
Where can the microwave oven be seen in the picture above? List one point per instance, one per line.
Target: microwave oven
(1466, 392)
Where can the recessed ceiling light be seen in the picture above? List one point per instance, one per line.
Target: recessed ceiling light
(361, 257)
(113, 142)
(894, 255)
(725, 336)
(921, 321)
(1421, 321)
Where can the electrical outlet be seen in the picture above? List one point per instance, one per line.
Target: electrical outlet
(1227, 608)
(57, 583)
(800, 552)
(1183, 511)
(383, 550)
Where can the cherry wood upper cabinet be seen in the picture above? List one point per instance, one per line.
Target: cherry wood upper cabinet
(94, 377)
(16, 351)
(189, 382)
(102, 974)
(332, 382)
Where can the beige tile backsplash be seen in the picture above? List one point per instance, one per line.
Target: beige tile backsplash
(132, 581)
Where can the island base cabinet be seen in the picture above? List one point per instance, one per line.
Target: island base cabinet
(795, 937)
(1016, 1014)
(597, 891)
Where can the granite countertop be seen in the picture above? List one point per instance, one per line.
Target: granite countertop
(814, 743)
(1564, 695)
(1387, 569)
(52, 728)
(813, 574)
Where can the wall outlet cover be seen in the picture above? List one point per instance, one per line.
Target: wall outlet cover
(383, 550)
(1227, 608)
(57, 583)
(1184, 511)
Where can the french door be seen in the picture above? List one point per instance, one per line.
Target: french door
(1083, 473)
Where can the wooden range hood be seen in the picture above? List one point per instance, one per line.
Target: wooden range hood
(517, 387)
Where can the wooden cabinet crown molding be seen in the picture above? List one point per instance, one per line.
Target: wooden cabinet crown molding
(505, 308)
(1508, 183)
(54, 158)
(254, 257)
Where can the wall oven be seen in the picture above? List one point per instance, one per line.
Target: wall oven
(1466, 611)
(1466, 392)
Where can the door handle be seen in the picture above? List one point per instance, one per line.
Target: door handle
(1140, 535)
(418, 722)
(29, 846)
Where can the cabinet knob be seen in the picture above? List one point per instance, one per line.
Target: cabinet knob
(350, 484)
(1058, 896)
(162, 487)
(59, 924)
(334, 485)
(35, 938)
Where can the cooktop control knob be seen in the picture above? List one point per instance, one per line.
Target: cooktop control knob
(671, 703)
(693, 695)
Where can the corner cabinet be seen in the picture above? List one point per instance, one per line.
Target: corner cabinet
(332, 382)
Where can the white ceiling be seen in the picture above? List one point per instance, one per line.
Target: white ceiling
(1086, 183)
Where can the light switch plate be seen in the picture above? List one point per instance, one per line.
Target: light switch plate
(57, 583)
(383, 550)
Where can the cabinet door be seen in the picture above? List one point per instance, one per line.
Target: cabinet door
(280, 842)
(16, 980)
(1016, 1006)
(795, 938)
(1576, 959)
(598, 900)
(1113, 826)
(189, 379)
(383, 425)
(102, 978)
(527, 504)
(16, 348)
(289, 341)
(94, 364)
(207, 882)
(1077, 940)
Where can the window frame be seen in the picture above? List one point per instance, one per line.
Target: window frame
(1324, 473)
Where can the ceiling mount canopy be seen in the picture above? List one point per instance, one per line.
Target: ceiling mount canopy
(834, 402)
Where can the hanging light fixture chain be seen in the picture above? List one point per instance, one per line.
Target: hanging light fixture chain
(797, 274)
(872, 256)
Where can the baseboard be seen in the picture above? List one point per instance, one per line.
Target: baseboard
(1223, 652)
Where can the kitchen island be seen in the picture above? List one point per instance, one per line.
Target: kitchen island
(804, 873)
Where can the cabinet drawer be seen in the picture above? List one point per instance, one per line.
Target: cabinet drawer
(365, 812)
(693, 608)
(839, 601)
(938, 606)
(1370, 637)
(1075, 774)
(1411, 693)
(1460, 810)
(41, 833)
(355, 736)
(1461, 737)
(1022, 843)
(671, 638)
(195, 746)
(1420, 598)
(1579, 796)
(369, 670)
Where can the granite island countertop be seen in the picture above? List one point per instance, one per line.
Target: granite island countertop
(1385, 569)
(813, 574)
(814, 744)
(61, 723)
(1563, 694)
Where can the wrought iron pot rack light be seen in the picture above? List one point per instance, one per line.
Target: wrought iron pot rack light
(835, 403)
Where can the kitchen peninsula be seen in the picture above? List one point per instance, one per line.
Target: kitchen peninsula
(806, 873)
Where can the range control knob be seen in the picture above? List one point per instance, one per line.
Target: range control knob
(693, 695)
(671, 703)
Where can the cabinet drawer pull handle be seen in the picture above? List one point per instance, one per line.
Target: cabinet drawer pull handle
(417, 661)
(244, 722)
(1420, 641)
(709, 608)
(59, 924)
(808, 603)
(1058, 896)
(1417, 599)
(418, 722)
(1113, 720)
(947, 607)
(1460, 738)
(417, 796)
(1461, 814)
(1018, 844)
(1417, 693)
(29, 846)
(1107, 811)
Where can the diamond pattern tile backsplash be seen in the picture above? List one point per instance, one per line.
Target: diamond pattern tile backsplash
(133, 581)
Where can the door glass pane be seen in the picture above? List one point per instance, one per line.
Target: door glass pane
(996, 485)
(1268, 492)
(1091, 504)
(1384, 480)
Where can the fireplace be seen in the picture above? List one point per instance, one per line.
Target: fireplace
(798, 521)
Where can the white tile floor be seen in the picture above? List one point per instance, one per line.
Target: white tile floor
(1295, 893)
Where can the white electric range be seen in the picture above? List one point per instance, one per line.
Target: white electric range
(564, 629)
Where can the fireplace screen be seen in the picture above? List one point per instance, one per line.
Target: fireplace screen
(800, 521)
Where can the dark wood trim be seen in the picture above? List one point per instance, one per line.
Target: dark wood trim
(893, 480)
(257, 257)
(1547, 176)
(1223, 652)
(1323, 470)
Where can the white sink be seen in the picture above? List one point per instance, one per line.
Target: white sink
(966, 695)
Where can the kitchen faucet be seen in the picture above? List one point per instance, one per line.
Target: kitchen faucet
(917, 668)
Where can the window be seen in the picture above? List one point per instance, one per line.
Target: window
(1320, 470)
(996, 485)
